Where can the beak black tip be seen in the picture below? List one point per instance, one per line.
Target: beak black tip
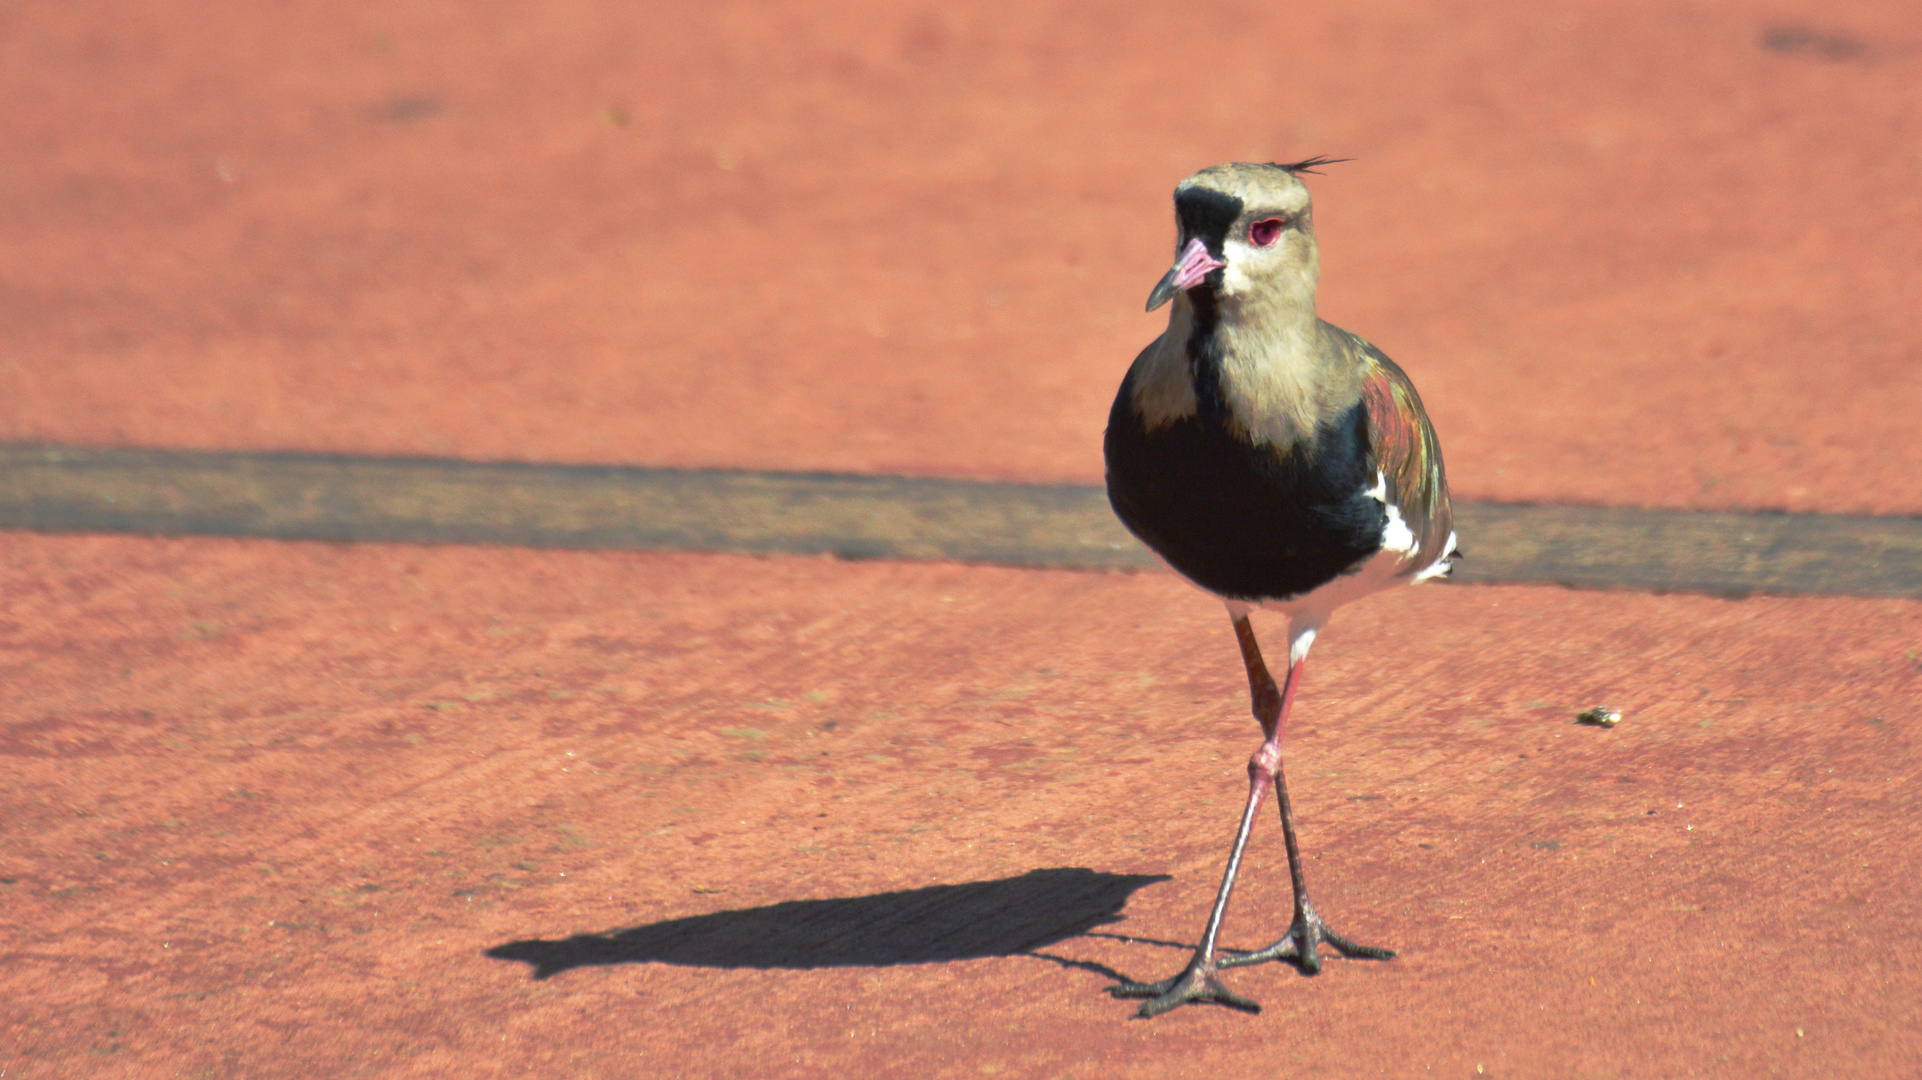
(1164, 291)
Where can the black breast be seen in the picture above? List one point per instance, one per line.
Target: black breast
(1245, 522)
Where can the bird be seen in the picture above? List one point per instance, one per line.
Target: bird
(1280, 463)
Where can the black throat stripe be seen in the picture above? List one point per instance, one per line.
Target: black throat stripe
(1206, 214)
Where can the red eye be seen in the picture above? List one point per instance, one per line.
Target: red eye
(1266, 231)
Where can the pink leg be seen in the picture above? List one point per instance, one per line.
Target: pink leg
(1200, 980)
(1307, 930)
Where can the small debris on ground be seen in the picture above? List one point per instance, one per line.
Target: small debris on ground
(1600, 716)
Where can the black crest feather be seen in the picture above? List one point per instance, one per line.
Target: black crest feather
(1310, 165)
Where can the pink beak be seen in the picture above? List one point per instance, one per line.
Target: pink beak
(1194, 264)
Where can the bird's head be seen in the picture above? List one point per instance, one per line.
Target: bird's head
(1245, 232)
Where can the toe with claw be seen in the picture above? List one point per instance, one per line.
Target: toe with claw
(1200, 982)
(1301, 945)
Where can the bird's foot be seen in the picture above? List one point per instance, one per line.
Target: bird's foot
(1199, 982)
(1300, 944)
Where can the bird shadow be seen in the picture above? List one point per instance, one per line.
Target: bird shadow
(1013, 916)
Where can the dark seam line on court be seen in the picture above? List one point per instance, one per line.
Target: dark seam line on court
(63, 489)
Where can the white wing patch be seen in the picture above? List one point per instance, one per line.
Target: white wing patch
(1440, 567)
(1395, 536)
(1382, 570)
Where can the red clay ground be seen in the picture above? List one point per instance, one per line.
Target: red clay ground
(267, 805)
(1631, 254)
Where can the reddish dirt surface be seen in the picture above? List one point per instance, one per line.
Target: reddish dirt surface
(1633, 253)
(265, 807)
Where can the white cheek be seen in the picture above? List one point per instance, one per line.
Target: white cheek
(1237, 255)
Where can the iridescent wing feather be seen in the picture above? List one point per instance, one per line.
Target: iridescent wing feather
(1409, 456)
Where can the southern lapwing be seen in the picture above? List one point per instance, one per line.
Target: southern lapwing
(1278, 462)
